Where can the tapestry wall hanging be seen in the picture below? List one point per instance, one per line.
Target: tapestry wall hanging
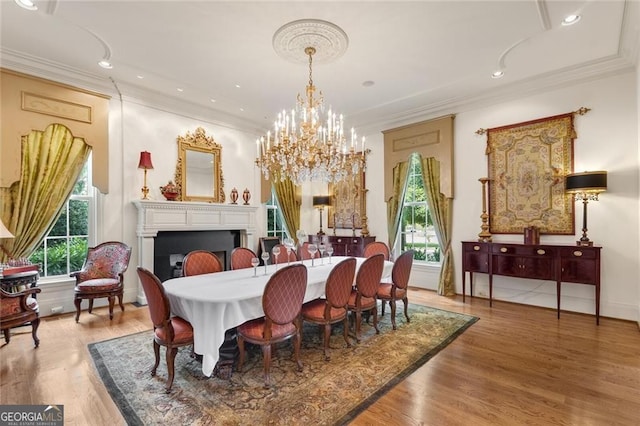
(348, 202)
(527, 165)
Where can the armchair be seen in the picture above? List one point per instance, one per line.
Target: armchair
(18, 309)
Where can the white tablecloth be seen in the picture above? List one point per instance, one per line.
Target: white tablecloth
(214, 303)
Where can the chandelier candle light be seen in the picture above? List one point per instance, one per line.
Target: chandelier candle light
(305, 147)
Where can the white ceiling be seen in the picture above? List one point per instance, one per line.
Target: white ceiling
(424, 57)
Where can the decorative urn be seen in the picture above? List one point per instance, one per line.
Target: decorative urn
(170, 191)
(246, 196)
(234, 196)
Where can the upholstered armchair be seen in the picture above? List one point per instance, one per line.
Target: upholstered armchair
(18, 309)
(102, 275)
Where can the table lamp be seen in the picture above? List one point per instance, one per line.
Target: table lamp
(145, 164)
(586, 186)
(320, 202)
(5, 233)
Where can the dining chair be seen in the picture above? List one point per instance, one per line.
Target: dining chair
(332, 308)
(282, 255)
(102, 275)
(241, 258)
(397, 288)
(281, 302)
(363, 297)
(17, 309)
(169, 331)
(375, 248)
(304, 251)
(199, 262)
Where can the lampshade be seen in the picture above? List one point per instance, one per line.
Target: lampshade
(145, 160)
(321, 200)
(4, 232)
(586, 182)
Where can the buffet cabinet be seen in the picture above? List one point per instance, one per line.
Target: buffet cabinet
(559, 263)
(347, 246)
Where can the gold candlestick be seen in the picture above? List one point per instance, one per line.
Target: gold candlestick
(484, 235)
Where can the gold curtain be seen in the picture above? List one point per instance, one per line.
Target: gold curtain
(290, 201)
(394, 205)
(441, 213)
(51, 163)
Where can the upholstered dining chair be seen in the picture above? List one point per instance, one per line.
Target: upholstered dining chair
(19, 309)
(102, 275)
(332, 308)
(363, 297)
(200, 262)
(375, 248)
(281, 303)
(241, 258)
(397, 288)
(304, 251)
(282, 256)
(171, 332)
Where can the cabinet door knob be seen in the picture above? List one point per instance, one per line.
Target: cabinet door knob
(339, 240)
(540, 251)
(503, 249)
(476, 248)
(577, 253)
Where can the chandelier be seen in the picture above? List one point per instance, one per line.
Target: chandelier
(306, 145)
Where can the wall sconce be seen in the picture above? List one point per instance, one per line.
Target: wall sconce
(586, 186)
(145, 164)
(320, 202)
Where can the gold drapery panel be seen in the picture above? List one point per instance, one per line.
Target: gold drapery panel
(441, 212)
(51, 163)
(527, 165)
(394, 204)
(290, 201)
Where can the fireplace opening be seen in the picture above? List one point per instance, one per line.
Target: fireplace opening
(170, 247)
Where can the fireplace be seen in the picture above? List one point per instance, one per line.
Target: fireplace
(171, 246)
(167, 228)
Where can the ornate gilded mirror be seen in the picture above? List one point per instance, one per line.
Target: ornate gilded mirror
(199, 172)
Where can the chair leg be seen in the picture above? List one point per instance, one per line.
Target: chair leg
(90, 305)
(392, 302)
(111, 303)
(358, 324)
(297, 340)
(77, 302)
(346, 330)
(375, 319)
(241, 350)
(156, 351)
(34, 331)
(171, 357)
(266, 357)
(7, 336)
(382, 313)
(120, 302)
(326, 337)
(406, 308)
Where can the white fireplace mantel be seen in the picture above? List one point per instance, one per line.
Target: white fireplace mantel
(155, 216)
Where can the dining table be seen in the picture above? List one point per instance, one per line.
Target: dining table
(216, 302)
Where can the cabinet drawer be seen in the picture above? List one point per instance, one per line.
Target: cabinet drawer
(523, 250)
(475, 247)
(579, 252)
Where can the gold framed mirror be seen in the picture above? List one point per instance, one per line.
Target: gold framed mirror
(198, 171)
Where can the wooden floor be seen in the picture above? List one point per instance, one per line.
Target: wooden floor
(517, 365)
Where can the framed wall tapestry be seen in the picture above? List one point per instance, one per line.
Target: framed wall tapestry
(527, 165)
(348, 199)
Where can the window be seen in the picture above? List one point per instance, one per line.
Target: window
(416, 226)
(64, 249)
(275, 221)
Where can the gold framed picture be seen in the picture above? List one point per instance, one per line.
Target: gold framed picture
(347, 202)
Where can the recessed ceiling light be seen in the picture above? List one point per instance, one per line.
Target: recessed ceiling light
(242, 109)
(180, 89)
(140, 76)
(238, 86)
(570, 20)
(26, 4)
(497, 74)
(213, 100)
(105, 64)
(368, 83)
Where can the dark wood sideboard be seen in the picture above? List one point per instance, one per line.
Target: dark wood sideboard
(347, 246)
(559, 263)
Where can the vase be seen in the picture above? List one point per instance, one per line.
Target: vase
(246, 196)
(234, 196)
(170, 191)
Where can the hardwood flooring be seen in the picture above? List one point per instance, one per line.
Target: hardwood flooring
(517, 365)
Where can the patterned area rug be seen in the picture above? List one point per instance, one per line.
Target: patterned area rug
(324, 393)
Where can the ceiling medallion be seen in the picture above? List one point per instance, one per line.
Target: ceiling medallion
(329, 40)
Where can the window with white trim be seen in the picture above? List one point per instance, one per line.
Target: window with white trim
(275, 221)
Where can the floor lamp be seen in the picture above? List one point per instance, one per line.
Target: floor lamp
(585, 187)
(320, 202)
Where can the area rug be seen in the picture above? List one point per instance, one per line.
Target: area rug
(324, 393)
